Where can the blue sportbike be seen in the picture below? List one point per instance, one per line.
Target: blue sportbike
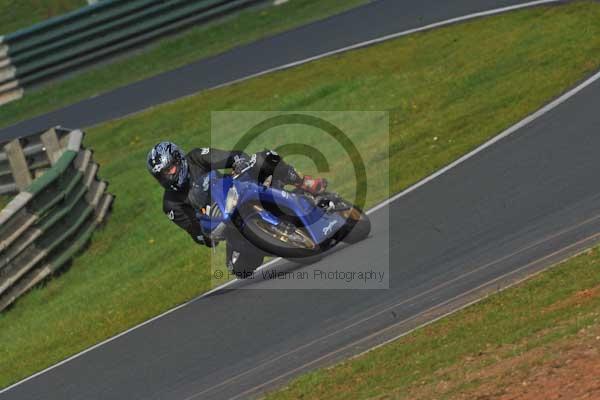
(290, 224)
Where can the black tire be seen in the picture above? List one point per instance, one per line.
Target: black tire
(261, 234)
(358, 226)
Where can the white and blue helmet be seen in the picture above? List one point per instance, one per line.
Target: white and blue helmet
(167, 163)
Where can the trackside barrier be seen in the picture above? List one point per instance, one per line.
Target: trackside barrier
(46, 224)
(38, 151)
(91, 34)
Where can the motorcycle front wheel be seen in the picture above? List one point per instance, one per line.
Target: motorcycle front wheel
(283, 240)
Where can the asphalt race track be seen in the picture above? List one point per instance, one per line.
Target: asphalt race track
(512, 209)
(508, 207)
(368, 22)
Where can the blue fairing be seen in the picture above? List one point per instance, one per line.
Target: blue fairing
(319, 225)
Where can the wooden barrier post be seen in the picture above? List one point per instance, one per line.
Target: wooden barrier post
(18, 164)
(51, 145)
(31, 226)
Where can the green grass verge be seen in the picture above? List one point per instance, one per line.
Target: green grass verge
(17, 14)
(438, 360)
(4, 200)
(460, 84)
(196, 43)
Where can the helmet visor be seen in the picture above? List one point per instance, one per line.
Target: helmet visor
(169, 173)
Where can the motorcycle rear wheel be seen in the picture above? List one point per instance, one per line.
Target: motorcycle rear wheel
(358, 226)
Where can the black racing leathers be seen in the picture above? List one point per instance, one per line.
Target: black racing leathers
(180, 206)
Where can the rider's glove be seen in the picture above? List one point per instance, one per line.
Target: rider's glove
(313, 185)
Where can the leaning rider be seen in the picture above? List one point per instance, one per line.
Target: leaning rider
(180, 173)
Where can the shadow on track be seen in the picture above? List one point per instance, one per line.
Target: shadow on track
(280, 266)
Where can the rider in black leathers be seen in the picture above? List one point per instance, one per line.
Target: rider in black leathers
(180, 174)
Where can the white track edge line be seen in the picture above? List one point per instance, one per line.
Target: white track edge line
(411, 299)
(354, 47)
(509, 285)
(430, 309)
(530, 118)
(509, 131)
(94, 346)
(386, 38)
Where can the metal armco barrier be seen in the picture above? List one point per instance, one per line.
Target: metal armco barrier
(91, 34)
(46, 224)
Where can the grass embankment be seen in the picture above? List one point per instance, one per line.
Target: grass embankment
(486, 351)
(4, 200)
(17, 14)
(460, 84)
(196, 43)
